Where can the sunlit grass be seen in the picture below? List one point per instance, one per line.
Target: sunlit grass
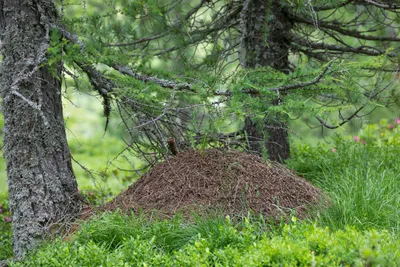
(365, 194)
(363, 182)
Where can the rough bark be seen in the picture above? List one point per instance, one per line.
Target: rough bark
(263, 43)
(41, 183)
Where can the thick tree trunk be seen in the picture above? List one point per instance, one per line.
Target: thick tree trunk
(41, 183)
(263, 43)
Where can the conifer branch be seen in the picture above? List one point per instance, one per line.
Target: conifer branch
(353, 33)
(344, 121)
(366, 50)
(177, 24)
(388, 6)
(104, 86)
(370, 96)
(138, 41)
(317, 79)
(162, 82)
(333, 6)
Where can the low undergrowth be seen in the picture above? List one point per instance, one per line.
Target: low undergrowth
(122, 240)
(361, 174)
(361, 227)
(5, 229)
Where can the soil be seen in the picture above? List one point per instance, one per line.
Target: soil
(230, 182)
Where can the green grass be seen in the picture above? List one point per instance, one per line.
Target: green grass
(363, 182)
(121, 240)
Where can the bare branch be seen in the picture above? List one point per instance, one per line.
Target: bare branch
(71, 37)
(100, 83)
(223, 93)
(105, 86)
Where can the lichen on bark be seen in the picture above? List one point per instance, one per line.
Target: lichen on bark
(41, 183)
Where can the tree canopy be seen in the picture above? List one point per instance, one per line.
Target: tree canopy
(209, 71)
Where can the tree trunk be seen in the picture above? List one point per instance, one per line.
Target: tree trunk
(263, 43)
(41, 184)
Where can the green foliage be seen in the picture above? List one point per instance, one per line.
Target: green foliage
(186, 42)
(5, 229)
(382, 134)
(361, 176)
(120, 240)
(338, 89)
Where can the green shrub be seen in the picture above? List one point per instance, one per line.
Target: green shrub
(215, 242)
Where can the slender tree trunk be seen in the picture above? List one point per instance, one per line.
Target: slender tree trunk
(263, 43)
(41, 184)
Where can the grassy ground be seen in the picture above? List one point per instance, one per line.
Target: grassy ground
(363, 183)
(120, 240)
